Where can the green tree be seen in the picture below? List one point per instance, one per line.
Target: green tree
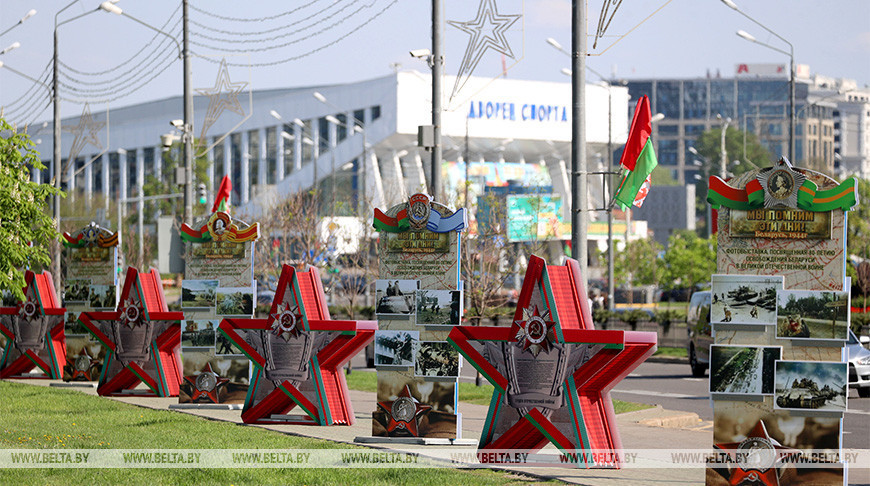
(26, 229)
(638, 263)
(688, 261)
(709, 145)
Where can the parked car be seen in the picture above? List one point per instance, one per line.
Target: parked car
(700, 332)
(859, 364)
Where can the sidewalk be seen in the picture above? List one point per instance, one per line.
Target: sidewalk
(653, 428)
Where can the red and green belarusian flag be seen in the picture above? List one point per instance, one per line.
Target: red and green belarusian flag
(638, 159)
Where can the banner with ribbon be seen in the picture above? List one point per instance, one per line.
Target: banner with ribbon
(220, 227)
(98, 239)
(844, 196)
(436, 222)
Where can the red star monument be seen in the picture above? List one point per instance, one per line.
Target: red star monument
(34, 331)
(552, 370)
(142, 338)
(298, 353)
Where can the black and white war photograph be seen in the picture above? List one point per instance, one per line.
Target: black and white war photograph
(436, 359)
(743, 370)
(395, 348)
(807, 314)
(396, 297)
(744, 299)
(439, 307)
(811, 385)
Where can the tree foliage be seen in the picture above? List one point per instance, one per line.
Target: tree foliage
(638, 263)
(709, 145)
(689, 260)
(26, 229)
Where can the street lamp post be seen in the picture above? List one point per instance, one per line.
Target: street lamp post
(30, 13)
(58, 172)
(790, 53)
(723, 154)
(187, 129)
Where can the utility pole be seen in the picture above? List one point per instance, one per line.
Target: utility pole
(578, 137)
(188, 120)
(437, 66)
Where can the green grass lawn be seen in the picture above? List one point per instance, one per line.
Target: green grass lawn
(668, 351)
(468, 392)
(38, 417)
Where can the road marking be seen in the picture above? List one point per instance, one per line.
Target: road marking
(659, 394)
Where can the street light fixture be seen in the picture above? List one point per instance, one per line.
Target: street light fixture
(790, 53)
(30, 13)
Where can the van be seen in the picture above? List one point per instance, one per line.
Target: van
(700, 332)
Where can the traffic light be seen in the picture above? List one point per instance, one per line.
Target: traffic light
(201, 194)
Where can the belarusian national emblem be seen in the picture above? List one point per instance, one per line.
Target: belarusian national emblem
(419, 207)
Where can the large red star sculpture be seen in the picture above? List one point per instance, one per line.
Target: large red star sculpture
(552, 371)
(298, 353)
(142, 338)
(34, 331)
(206, 384)
(759, 456)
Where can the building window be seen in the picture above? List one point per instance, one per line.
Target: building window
(115, 175)
(253, 157)
(376, 112)
(667, 152)
(341, 129)
(323, 128)
(668, 129)
(307, 142)
(131, 172)
(695, 99)
(290, 147)
(721, 96)
(694, 130)
(97, 173)
(236, 161)
(668, 99)
(359, 118)
(148, 154)
(271, 154)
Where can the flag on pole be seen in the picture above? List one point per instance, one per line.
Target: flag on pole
(223, 194)
(638, 159)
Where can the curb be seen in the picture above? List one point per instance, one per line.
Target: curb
(670, 419)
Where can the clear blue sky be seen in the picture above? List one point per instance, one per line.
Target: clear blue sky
(686, 38)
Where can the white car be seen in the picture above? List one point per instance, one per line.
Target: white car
(859, 364)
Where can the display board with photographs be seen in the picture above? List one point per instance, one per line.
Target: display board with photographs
(439, 307)
(744, 299)
(419, 300)
(90, 284)
(806, 247)
(218, 283)
(396, 297)
(743, 370)
(811, 385)
(816, 315)
(436, 359)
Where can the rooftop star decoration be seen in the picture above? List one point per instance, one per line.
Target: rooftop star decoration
(142, 338)
(34, 331)
(298, 353)
(86, 132)
(552, 370)
(486, 31)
